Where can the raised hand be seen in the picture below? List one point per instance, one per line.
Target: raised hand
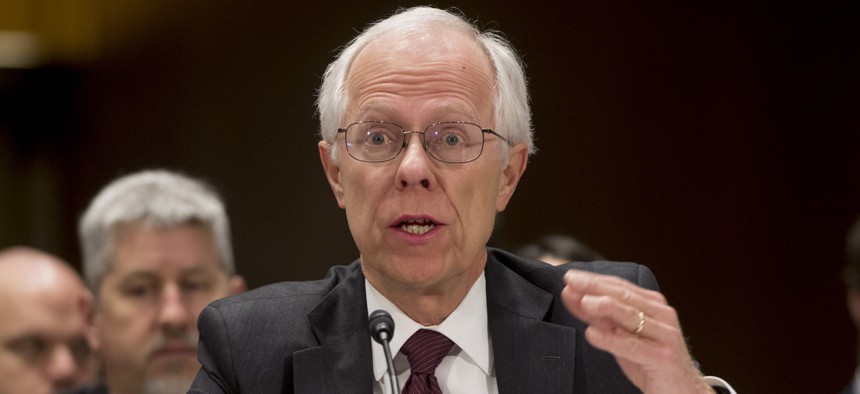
(638, 327)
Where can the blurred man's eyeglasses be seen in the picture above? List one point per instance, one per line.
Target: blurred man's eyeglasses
(449, 142)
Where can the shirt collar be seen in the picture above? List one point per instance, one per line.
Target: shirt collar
(466, 326)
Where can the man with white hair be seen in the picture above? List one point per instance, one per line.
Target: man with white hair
(156, 250)
(426, 133)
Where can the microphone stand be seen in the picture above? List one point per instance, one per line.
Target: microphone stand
(381, 330)
(392, 378)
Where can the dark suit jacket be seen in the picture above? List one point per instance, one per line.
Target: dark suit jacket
(312, 337)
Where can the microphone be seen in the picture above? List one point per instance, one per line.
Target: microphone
(381, 327)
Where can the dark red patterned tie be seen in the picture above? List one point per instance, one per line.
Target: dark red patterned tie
(425, 350)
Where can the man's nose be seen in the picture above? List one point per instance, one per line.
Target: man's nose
(62, 368)
(173, 313)
(416, 167)
(413, 140)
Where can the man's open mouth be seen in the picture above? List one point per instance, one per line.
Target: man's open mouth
(417, 226)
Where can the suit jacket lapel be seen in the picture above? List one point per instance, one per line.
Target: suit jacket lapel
(343, 363)
(529, 354)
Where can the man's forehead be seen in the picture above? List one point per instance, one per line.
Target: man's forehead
(43, 304)
(425, 43)
(170, 248)
(383, 110)
(54, 316)
(450, 69)
(23, 267)
(167, 271)
(40, 281)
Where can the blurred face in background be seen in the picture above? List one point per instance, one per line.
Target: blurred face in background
(45, 329)
(148, 304)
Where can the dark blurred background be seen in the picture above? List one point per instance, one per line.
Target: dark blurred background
(717, 143)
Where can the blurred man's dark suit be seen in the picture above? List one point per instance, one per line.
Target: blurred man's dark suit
(312, 337)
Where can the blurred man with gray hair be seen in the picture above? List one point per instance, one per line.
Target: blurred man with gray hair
(156, 250)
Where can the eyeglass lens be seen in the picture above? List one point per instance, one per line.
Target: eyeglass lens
(453, 142)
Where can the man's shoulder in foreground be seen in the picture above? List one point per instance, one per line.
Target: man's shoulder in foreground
(249, 340)
(549, 277)
(287, 291)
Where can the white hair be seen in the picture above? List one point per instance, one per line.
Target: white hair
(156, 198)
(511, 101)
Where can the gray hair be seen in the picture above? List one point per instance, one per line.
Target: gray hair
(511, 101)
(156, 198)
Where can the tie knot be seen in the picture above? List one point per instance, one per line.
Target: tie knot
(425, 350)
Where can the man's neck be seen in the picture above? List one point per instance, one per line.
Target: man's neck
(428, 306)
(123, 383)
(429, 310)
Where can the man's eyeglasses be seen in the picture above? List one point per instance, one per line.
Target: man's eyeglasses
(449, 142)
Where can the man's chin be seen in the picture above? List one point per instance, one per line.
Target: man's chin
(173, 366)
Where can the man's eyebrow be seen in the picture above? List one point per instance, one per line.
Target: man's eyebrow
(374, 109)
(198, 269)
(139, 274)
(153, 275)
(453, 112)
(457, 110)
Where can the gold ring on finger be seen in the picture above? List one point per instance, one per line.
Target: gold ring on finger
(641, 325)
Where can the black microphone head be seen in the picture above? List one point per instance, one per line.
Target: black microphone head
(380, 322)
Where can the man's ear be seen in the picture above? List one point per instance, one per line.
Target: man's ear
(518, 156)
(332, 171)
(92, 333)
(238, 284)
